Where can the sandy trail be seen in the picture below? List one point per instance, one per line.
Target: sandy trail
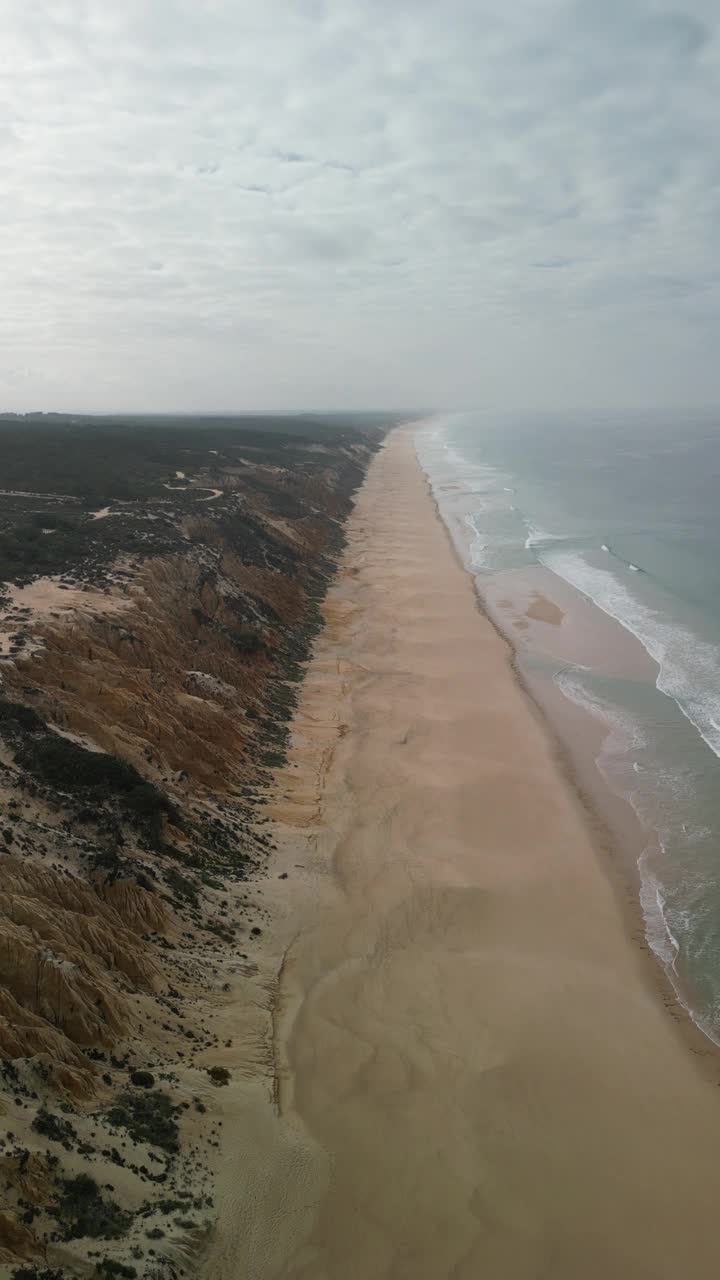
(476, 1073)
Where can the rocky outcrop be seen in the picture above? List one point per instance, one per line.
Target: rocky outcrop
(61, 964)
(29, 1036)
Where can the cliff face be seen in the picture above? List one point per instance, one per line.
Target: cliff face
(161, 593)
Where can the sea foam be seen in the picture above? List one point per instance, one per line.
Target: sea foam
(625, 737)
(689, 667)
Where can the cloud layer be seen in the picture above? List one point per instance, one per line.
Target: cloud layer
(233, 204)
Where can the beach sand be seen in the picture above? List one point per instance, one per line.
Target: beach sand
(473, 1070)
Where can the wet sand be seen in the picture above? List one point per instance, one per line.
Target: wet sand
(544, 610)
(551, 627)
(473, 1073)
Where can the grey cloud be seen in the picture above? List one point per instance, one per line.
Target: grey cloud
(327, 245)
(319, 184)
(679, 33)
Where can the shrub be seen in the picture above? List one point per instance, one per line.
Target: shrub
(180, 885)
(63, 763)
(52, 1127)
(110, 1267)
(83, 1212)
(148, 1117)
(142, 1079)
(32, 1273)
(15, 716)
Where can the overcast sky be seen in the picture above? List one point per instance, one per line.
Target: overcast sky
(237, 204)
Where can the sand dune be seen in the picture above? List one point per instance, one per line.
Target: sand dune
(476, 1075)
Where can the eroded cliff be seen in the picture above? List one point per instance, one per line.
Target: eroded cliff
(161, 592)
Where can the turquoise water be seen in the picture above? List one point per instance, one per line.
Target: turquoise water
(626, 510)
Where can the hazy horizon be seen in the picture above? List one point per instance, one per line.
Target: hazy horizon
(303, 204)
(580, 413)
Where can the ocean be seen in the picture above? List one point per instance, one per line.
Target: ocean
(619, 514)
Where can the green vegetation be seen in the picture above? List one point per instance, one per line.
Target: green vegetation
(82, 1211)
(180, 885)
(32, 1273)
(219, 1075)
(111, 1267)
(100, 459)
(26, 548)
(57, 468)
(54, 1128)
(97, 775)
(142, 1079)
(148, 1117)
(65, 764)
(15, 717)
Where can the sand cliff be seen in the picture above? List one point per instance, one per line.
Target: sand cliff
(145, 689)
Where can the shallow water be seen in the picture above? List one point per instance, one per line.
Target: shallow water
(625, 511)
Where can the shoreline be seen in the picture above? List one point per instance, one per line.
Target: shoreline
(471, 1069)
(622, 838)
(619, 844)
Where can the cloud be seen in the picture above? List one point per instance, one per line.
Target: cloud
(245, 203)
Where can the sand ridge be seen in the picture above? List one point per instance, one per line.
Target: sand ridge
(472, 1073)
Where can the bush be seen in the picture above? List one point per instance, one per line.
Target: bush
(63, 763)
(32, 1273)
(83, 1212)
(52, 1127)
(148, 1117)
(142, 1079)
(15, 716)
(180, 885)
(143, 800)
(219, 1075)
(109, 1267)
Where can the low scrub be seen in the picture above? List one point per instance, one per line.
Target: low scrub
(148, 1117)
(82, 1211)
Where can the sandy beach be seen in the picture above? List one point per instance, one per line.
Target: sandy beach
(469, 1068)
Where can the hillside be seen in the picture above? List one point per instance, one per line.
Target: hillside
(160, 584)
